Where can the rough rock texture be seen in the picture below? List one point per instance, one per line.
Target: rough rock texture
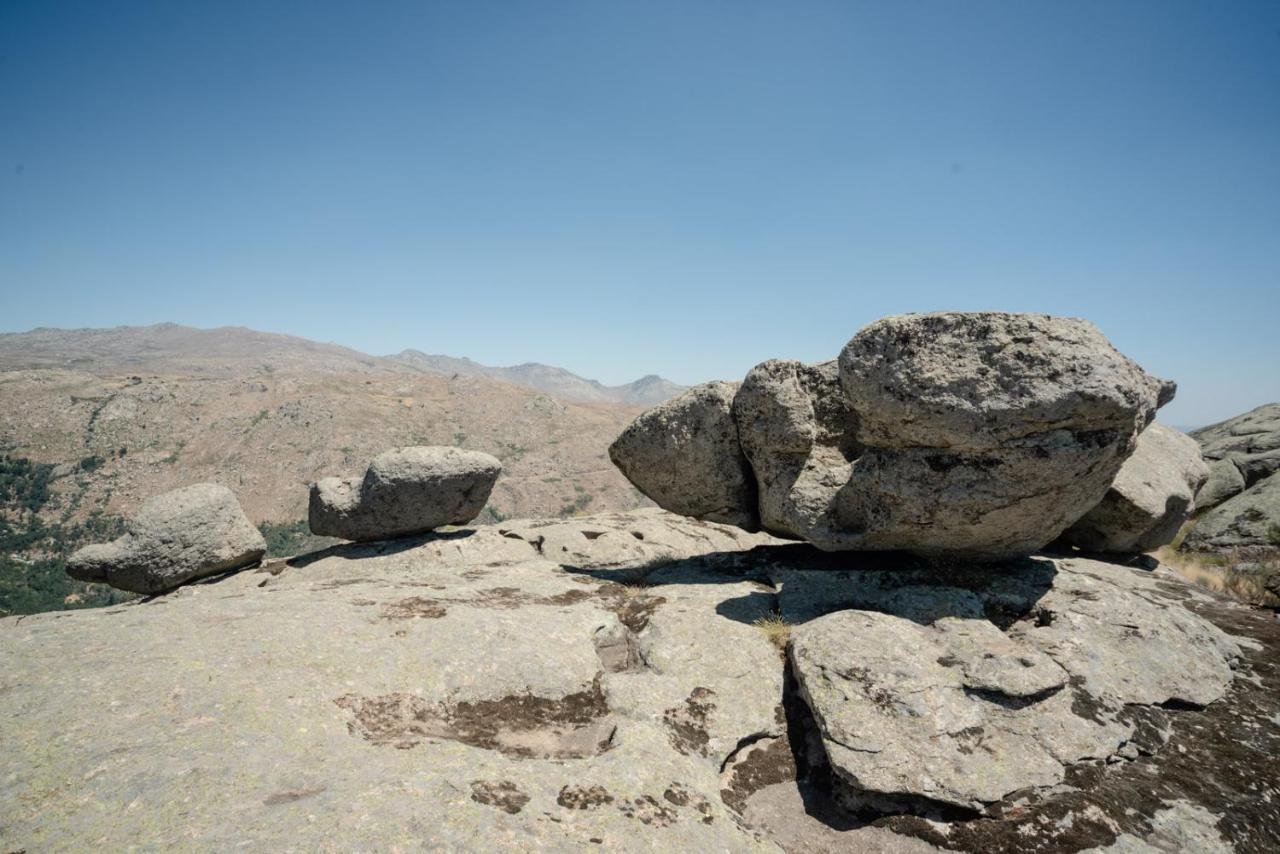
(176, 537)
(1224, 481)
(404, 491)
(1242, 494)
(1150, 499)
(924, 694)
(1251, 442)
(685, 454)
(1250, 520)
(547, 685)
(975, 434)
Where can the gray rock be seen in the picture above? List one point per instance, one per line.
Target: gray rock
(1248, 443)
(987, 434)
(977, 381)
(684, 454)
(180, 536)
(405, 491)
(1248, 520)
(1224, 481)
(930, 695)
(798, 433)
(1150, 499)
(1256, 431)
(974, 434)
(567, 685)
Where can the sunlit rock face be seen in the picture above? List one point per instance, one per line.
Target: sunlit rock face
(978, 435)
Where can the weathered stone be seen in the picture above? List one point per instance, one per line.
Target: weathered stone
(976, 434)
(1150, 499)
(798, 433)
(684, 454)
(405, 491)
(1240, 502)
(987, 434)
(1224, 481)
(924, 693)
(548, 684)
(180, 536)
(1250, 519)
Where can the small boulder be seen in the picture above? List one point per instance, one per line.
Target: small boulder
(405, 491)
(1150, 499)
(180, 536)
(685, 455)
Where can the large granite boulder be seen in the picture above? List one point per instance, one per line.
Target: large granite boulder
(180, 536)
(547, 685)
(982, 435)
(1150, 499)
(405, 491)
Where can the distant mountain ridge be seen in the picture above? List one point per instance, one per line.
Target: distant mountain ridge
(557, 382)
(236, 351)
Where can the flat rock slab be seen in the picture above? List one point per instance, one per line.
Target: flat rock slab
(566, 685)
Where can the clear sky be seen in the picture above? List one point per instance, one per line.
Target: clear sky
(682, 188)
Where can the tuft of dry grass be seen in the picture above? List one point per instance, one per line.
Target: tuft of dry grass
(1218, 572)
(775, 628)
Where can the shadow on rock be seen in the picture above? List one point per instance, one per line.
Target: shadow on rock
(382, 548)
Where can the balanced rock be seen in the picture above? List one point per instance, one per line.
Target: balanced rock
(982, 435)
(405, 491)
(1150, 499)
(180, 536)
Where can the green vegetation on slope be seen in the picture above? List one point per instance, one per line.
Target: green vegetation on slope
(286, 539)
(33, 552)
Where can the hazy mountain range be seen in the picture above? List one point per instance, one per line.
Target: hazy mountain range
(232, 350)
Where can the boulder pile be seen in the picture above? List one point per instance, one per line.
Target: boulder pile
(176, 537)
(1242, 494)
(977, 435)
(405, 491)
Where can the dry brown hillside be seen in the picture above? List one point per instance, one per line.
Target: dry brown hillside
(148, 409)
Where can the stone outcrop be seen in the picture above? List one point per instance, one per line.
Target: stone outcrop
(982, 435)
(1150, 499)
(177, 537)
(1249, 520)
(405, 491)
(1241, 498)
(1241, 452)
(925, 694)
(547, 684)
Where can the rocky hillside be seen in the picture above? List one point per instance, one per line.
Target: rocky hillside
(150, 408)
(110, 417)
(557, 382)
(547, 685)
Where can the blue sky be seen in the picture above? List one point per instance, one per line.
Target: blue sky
(621, 188)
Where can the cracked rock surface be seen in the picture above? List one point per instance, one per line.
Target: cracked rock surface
(624, 682)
